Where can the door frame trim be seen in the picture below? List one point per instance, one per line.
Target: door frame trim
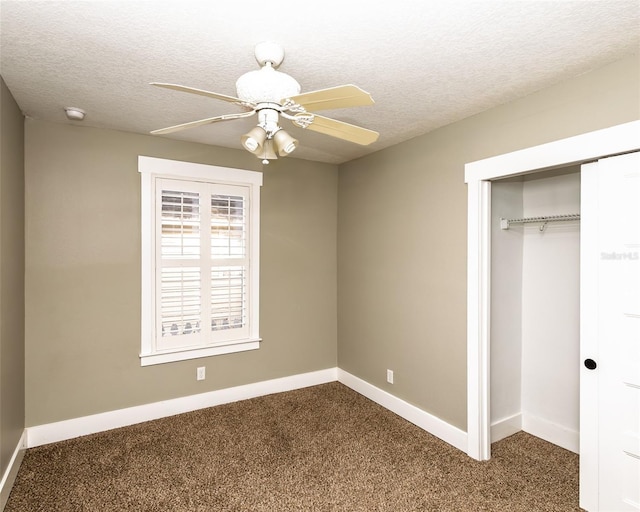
(478, 175)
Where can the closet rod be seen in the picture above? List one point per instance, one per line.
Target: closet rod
(504, 223)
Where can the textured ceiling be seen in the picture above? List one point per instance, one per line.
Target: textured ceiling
(426, 63)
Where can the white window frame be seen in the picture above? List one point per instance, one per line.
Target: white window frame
(151, 169)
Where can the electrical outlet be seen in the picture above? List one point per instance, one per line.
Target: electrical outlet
(201, 373)
(390, 376)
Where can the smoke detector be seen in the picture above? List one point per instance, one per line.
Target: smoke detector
(74, 114)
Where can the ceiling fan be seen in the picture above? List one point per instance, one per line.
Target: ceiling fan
(272, 94)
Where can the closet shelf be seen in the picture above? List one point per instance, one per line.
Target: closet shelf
(504, 223)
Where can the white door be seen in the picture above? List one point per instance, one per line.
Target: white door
(610, 335)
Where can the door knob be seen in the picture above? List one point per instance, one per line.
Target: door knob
(590, 364)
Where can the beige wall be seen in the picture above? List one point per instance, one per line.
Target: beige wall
(401, 265)
(402, 235)
(83, 273)
(12, 396)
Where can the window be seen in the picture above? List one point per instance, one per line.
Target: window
(200, 268)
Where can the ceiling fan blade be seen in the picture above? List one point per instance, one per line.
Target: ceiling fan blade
(201, 122)
(201, 92)
(338, 129)
(335, 97)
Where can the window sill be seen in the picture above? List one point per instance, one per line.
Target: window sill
(183, 355)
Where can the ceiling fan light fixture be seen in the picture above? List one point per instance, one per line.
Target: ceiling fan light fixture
(272, 95)
(268, 152)
(253, 141)
(285, 144)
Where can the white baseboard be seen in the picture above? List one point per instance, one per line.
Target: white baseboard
(76, 427)
(506, 427)
(68, 429)
(439, 428)
(11, 472)
(557, 434)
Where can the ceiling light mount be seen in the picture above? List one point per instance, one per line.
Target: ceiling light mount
(270, 52)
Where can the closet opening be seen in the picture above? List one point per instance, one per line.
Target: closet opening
(534, 341)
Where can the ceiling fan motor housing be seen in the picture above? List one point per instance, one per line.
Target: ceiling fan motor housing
(266, 85)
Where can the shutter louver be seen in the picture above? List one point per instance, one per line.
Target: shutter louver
(228, 226)
(180, 300)
(180, 225)
(228, 298)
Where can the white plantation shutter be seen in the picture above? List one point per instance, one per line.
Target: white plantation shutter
(200, 260)
(230, 264)
(180, 289)
(203, 269)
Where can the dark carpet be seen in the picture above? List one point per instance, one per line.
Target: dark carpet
(323, 448)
